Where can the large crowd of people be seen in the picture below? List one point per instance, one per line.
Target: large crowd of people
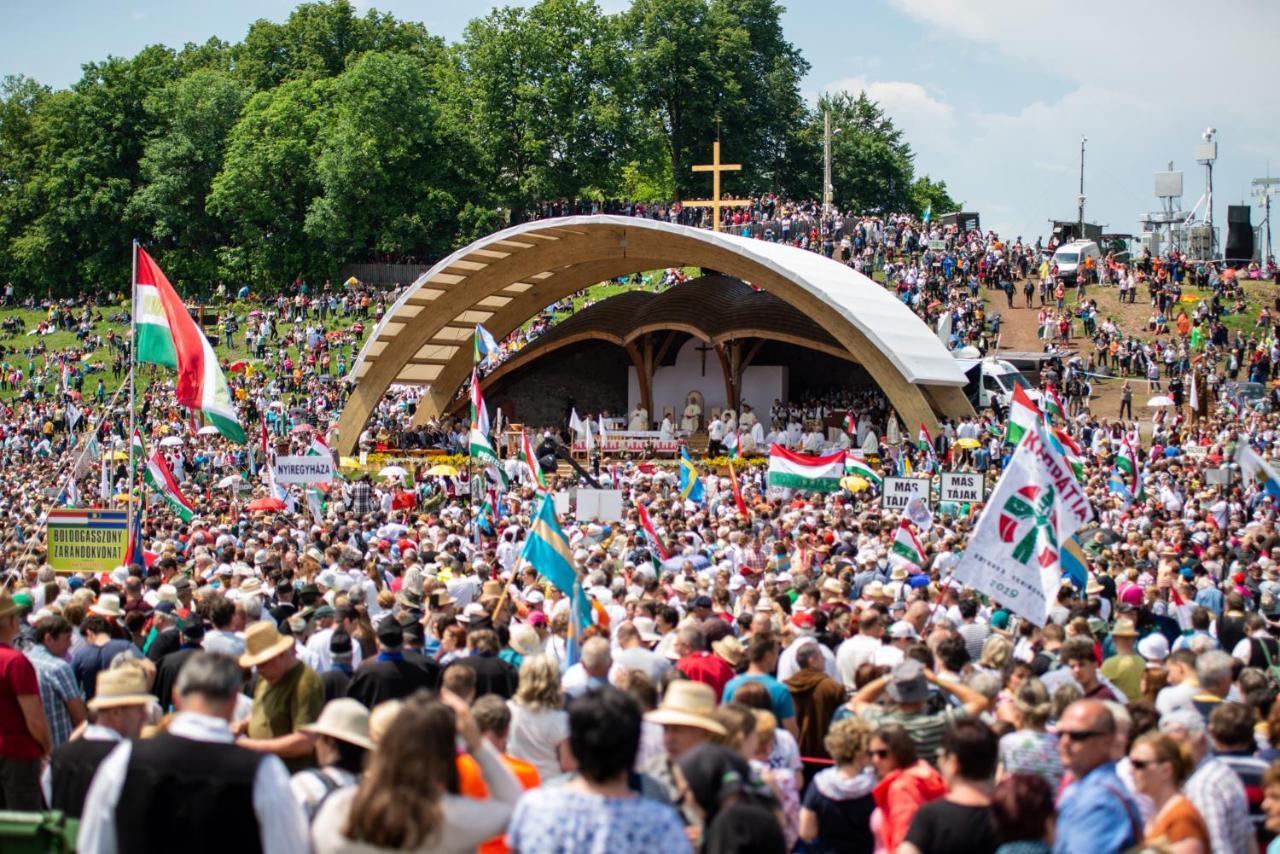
(378, 668)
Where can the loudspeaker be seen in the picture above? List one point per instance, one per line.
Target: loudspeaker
(1239, 248)
(547, 463)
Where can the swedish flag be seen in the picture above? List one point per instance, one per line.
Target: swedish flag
(691, 486)
(547, 550)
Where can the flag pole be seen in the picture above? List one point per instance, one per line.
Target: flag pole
(133, 358)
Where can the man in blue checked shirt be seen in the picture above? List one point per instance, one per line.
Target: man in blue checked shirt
(1096, 814)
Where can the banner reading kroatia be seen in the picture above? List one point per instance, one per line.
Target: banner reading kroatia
(312, 468)
(1013, 553)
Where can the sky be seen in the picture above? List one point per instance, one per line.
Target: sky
(994, 95)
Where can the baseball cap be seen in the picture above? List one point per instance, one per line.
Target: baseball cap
(908, 684)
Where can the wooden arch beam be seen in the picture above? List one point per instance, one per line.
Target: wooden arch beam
(580, 256)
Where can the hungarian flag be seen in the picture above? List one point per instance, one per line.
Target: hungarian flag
(166, 335)
(737, 491)
(479, 412)
(532, 462)
(158, 476)
(1024, 415)
(790, 470)
(1070, 451)
(650, 532)
(732, 446)
(481, 449)
(1053, 406)
(906, 548)
(861, 468)
(849, 426)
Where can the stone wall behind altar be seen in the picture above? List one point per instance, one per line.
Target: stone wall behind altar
(591, 375)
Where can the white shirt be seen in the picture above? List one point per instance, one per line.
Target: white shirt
(852, 654)
(787, 666)
(280, 821)
(318, 646)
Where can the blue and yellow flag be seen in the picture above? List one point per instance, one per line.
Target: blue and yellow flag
(691, 486)
(1074, 562)
(547, 550)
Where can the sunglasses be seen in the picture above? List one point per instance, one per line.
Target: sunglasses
(1141, 764)
(879, 754)
(1080, 736)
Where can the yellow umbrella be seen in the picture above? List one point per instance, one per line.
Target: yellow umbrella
(442, 470)
(853, 483)
(119, 455)
(968, 443)
(351, 281)
(124, 497)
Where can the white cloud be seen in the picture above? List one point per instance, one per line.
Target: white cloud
(909, 104)
(1142, 82)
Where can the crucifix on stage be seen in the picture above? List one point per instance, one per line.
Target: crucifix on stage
(715, 167)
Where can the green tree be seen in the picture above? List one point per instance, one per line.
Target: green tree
(871, 163)
(319, 39)
(717, 70)
(20, 99)
(931, 194)
(393, 174)
(546, 89)
(89, 141)
(194, 115)
(267, 182)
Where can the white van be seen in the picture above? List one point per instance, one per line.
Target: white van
(993, 380)
(1070, 258)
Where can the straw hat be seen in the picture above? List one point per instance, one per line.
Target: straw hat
(108, 605)
(1124, 628)
(688, 703)
(262, 642)
(344, 719)
(524, 640)
(730, 649)
(7, 605)
(125, 686)
(381, 717)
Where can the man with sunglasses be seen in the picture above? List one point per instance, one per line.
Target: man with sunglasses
(1096, 813)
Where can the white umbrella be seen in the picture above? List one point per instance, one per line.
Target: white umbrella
(231, 480)
(393, 471)
(1160, 400)
(171, 441)
(207, 430)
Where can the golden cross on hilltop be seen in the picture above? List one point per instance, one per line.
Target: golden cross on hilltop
(715, 202)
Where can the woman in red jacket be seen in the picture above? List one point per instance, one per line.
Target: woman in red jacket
(907, 783)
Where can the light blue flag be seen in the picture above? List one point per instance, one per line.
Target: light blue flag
(547, 550)
(486, 346)
(1255, 468)
(928, 213)
(691, 486)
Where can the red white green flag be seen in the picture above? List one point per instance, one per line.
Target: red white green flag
(158, 476)
(167, 335)
(790, 470)
(532, 462)
(1024, 415)
(906, 549)
(861, 468)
